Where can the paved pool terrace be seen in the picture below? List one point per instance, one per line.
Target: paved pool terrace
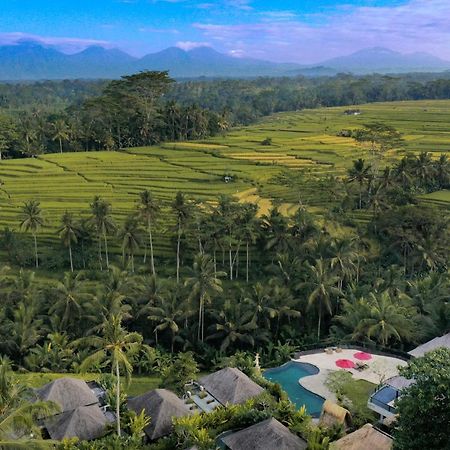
(379, 368)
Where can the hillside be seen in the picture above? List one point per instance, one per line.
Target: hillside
(304, 142)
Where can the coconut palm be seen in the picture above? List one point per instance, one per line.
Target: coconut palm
(130, 236)
(360, 173)
(442, 169)
(167, 315)
(60, 132)
(19, 415)
(204, 283)
(103, 223)
(236, 325)
(70, 300)
(68, 232)
(32, 221)
(344, 260)
(148, 210)
(321, 287)
(388, 320)
(182, 213)
(115, 346)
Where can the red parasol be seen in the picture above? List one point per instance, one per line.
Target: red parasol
(363, 356)
(345, 364)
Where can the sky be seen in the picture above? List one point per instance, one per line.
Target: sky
(301, 31)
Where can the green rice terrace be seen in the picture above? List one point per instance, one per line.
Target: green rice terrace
(302, 144)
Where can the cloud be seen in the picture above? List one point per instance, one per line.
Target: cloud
(418, 25)
(190, 45)
(159, 30)
(64, 44)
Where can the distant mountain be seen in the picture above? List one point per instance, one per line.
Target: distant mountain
(383, 60)
(30, 60)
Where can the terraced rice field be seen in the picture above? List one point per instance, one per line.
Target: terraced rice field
(305, 142)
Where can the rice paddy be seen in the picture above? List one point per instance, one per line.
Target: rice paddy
(304, 142)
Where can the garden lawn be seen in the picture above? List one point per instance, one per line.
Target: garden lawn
(139, 384)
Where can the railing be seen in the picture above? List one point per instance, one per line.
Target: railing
(382, 405)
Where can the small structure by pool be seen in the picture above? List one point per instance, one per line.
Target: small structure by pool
(288, 376)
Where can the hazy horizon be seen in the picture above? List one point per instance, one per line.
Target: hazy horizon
(307, 33)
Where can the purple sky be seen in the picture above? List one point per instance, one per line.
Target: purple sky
(304, 31)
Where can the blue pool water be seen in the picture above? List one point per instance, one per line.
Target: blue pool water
(287, 376)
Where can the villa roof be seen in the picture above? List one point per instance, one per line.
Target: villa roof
(68, 393)
(399, 382)
(85, 423)
(442, 341)
(266, 435)
(160, 405)
(365, 438)
(333, 414)
(230, 385)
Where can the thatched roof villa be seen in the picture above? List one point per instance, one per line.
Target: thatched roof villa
(230, 386)
(333, 414)
(266, 435)
(68, 393)
(365, 438)
(85, 423)
(161, 405)
(438, 342)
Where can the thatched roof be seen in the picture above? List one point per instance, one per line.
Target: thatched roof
(365, 438)
(230, 385)
(67, 393)
(442, 341)
(160, 405)
(267, 435)
(333, 414)
(399, 382)
(84, 422)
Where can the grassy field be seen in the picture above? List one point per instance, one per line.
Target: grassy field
(139, 384)
(302, 142)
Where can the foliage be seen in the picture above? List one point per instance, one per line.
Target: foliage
(424, 407)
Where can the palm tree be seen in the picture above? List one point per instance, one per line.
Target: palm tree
(344, 259)
(32, 221)
(70, 299)
(115, 346)
(103, 223)
(321, 286)
(204, 283)
(131, 239)
(249, 230)
(182, 213)
(359, 173)
(388, 319)
(148, 210)
(60, 132)
(170, 311)
(261, 303)
(18, 415)
(236, 325)
(442, 169)
(68, 232)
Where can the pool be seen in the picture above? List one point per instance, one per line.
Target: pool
(287, 376)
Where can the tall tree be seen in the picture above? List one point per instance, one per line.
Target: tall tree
(182, 213)
(103, 223)
(116, 346)
(68, 232)
(130, 235)
(204, 284)
(60, 132)
(32, 220)
(360, 173)
(148, 209)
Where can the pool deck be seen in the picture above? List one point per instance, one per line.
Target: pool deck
(380, 368)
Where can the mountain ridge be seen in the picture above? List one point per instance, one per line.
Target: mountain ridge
(28, 60)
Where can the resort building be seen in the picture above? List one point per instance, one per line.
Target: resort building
(266, 435)
(230, 386)
(82, 415)
(333, 414)
(438, 342)
(366, 438)
(161, 405)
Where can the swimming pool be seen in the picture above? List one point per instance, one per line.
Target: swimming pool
(287, 376)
